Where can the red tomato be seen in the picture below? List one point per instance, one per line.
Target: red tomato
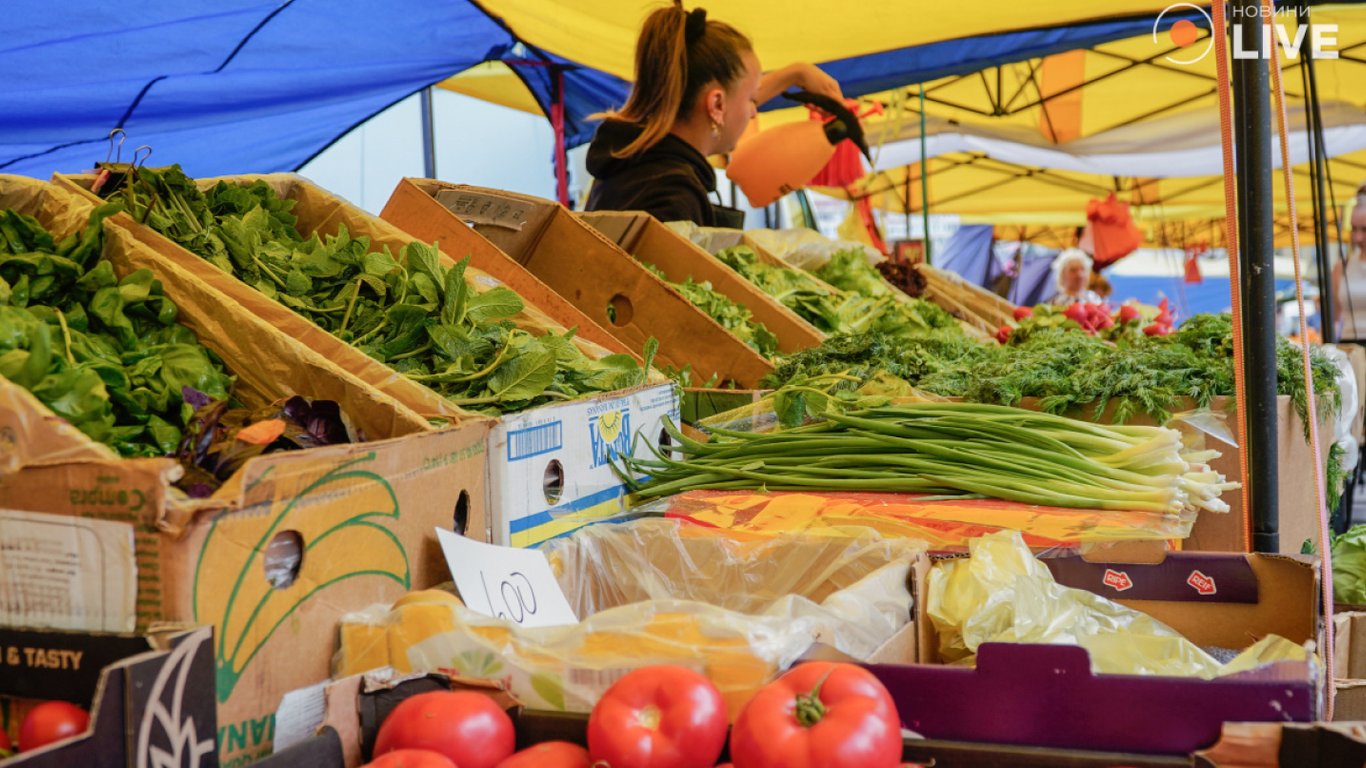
(1023, 312)
(467, 727)
(550, 754)
(51, 721)
(411, 758)
(819, 714)
(658, 717)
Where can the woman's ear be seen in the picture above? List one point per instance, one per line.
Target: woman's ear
(715, 104)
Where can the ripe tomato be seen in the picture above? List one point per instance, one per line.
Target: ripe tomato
(411, 758)
(819, 714)
(51, 721)
(467, 727)
(550, 754)
(658, 717)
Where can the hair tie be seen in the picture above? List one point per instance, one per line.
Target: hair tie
(695, 26)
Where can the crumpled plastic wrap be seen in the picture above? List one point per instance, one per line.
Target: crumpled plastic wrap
(806, 248)
(659, 592)
(946, 524)
(1002, 594)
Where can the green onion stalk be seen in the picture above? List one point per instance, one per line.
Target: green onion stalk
(949, 450)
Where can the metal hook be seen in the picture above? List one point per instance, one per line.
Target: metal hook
(138, 163)
(112, 146)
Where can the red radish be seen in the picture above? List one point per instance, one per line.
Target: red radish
(1156, 329)
(1077, 314)
(1128, 313)
(1023, 312)
(1003, 333)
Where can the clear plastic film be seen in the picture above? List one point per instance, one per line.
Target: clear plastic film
(806, 248)
(1002, 593)
(737, 611)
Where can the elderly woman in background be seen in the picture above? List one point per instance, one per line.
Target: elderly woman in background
(1072, 273)
(1349, 279)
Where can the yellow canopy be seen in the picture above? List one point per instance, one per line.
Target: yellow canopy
(602, 33)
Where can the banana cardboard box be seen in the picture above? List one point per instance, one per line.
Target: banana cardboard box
(273, 558)
(550, 468)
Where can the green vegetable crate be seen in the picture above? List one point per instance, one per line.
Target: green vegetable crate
(656, 244)
(550, 465)
(583, 266)
(272, 558)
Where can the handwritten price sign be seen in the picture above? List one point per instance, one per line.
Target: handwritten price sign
(505, 582)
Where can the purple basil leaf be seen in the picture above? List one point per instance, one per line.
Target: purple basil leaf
(326, 423)
(194, 397)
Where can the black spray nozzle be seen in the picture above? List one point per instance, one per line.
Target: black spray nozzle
(844, 126)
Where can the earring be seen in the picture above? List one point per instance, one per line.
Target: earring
(715, 130)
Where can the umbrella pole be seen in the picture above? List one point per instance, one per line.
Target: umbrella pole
(924, 181)
(1318, 166)
(557, 122)
(1252, 143)
(428, 134)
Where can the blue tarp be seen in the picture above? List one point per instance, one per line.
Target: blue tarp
(240, 86)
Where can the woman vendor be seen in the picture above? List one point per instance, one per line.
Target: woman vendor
(697, 86)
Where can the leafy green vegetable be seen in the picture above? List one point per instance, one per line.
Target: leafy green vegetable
(864, 303)
(104, 354)
(1066, 370)
(407, 311)
(1349, 566)
(735, 318)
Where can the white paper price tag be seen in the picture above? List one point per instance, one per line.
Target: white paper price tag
(506, 582)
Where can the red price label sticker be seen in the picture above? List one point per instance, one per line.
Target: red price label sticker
(1201, 583)
(1117, 580)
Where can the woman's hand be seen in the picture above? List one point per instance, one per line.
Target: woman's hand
(807, 77)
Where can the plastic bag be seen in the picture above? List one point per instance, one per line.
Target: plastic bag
(946, 524)
(1347, 414)
(1002, 593)
(806, 248)
(642, 590)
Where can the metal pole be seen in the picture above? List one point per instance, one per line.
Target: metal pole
(428, 135)
(1319, 167)
(557, 123)
(924, 180)
(1316, 209)
(1252, 125)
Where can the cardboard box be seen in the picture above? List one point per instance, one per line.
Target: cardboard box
(151, 703)
(1236, 600)
(548, 468)
(644, 237)
(1349, 666)
(583, 266)
(363, 516)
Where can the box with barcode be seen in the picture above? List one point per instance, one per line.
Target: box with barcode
(551, 468)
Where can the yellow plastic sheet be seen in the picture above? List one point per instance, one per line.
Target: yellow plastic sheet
(659, 592)
(1002, 593)
(945, 525)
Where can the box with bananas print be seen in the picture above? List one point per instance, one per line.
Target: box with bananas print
(289, 543)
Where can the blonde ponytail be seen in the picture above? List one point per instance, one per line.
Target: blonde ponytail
(676, 55)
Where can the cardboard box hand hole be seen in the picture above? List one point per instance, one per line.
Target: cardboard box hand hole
(461, 521)
(553, 483)
(284, 557)
(619, 311)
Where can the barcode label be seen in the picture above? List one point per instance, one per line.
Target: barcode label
(534, 441)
